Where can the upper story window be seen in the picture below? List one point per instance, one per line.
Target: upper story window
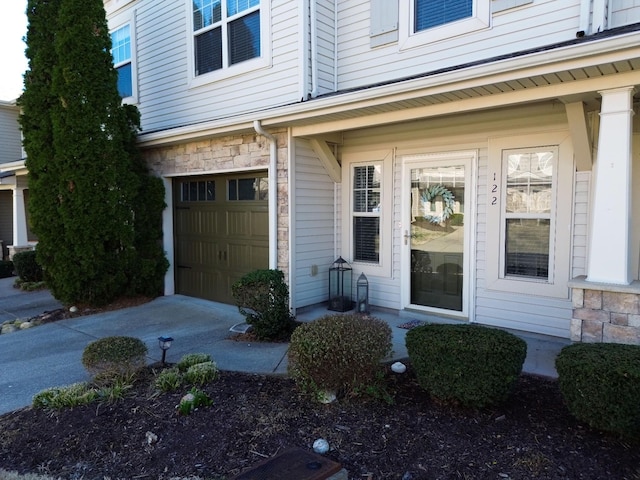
(432, 13)
(226, 33)
(422, 22)
(122, 59)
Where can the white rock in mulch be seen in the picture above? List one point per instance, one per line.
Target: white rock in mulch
(326, 397)
(188, 398)
(151, 438)
(25, 325)
(73, 309)
(399, 367)
(321, 446)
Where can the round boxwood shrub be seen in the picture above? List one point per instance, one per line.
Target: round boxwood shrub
(600, 384)
(27, 268)
(191, 359)
(470, 365)
(118, 355)
(338, 353)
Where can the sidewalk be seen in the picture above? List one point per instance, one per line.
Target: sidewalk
(50, 355)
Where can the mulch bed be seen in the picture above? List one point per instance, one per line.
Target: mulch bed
(255, 416)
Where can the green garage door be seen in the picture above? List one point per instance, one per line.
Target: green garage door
(221, 232)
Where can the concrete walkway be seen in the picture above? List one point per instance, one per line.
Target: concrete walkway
(50, 355)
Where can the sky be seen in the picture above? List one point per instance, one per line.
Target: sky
(13, 63)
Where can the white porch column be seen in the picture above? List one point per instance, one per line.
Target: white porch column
(610, 237)
(20, 237)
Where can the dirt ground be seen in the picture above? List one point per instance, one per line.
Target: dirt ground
(254, 417)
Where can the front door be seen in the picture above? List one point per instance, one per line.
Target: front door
(437, 231)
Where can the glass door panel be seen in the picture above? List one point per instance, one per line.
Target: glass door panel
(437, 236)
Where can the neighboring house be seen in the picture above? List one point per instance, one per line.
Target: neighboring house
(14, 235)
(474, 159)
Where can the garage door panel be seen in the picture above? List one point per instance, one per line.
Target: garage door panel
(248, 257)
(188, 252)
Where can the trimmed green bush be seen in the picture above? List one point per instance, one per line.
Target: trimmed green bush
(168, 380)
(27, 267)
(6, 268)
(600, 384)
(193, 400)
(338, 353)
(68, 396)
(118, 355)
(470, 365)
(201, 373)
(191, 359)
(262, 296)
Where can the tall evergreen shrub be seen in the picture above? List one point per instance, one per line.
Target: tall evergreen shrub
(93, 205)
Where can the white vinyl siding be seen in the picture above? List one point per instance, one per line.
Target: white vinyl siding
(513, 30)
(624, 12)
(11, 146)
(326, 58)
(166, 98)
(314, 232)
(580, 224)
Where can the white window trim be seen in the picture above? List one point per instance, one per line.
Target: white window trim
(263, 61)
(559, 248)
(128, 18)
(350, 160)
(479, 20)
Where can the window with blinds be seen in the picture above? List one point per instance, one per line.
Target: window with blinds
(432, 13)
(528, 211)
(121, 53)
(226, 32)
(366, 212)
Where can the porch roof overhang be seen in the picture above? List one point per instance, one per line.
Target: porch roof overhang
(15, 168)
(570, 72)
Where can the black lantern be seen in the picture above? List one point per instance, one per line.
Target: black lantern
(340, 280)
(362, 294)
(164, 343)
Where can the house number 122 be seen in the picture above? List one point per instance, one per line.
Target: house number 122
(494, 191)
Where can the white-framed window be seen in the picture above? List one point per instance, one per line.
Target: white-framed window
(367, 212)
(121, 51)
(228, 37)
(529, 198)
(427, 21)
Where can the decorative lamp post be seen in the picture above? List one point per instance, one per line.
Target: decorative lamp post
(164, 344)
(340, 280)
(362, 294)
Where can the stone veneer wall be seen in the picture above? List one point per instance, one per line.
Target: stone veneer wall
(605, 313)
(230, 154)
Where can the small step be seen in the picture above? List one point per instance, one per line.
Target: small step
(295, 464)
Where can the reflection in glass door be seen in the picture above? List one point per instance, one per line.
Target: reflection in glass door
(437, 236)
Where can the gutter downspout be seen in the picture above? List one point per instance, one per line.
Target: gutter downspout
(272, 174)
(314, 49)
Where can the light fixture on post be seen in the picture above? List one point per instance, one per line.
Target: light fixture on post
(362, 294)
(164, 344)
(340, 280)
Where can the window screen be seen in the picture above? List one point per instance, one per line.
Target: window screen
(121, 53)
(431, 13)
(235, 23)
(528, 208)
(366, 213)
